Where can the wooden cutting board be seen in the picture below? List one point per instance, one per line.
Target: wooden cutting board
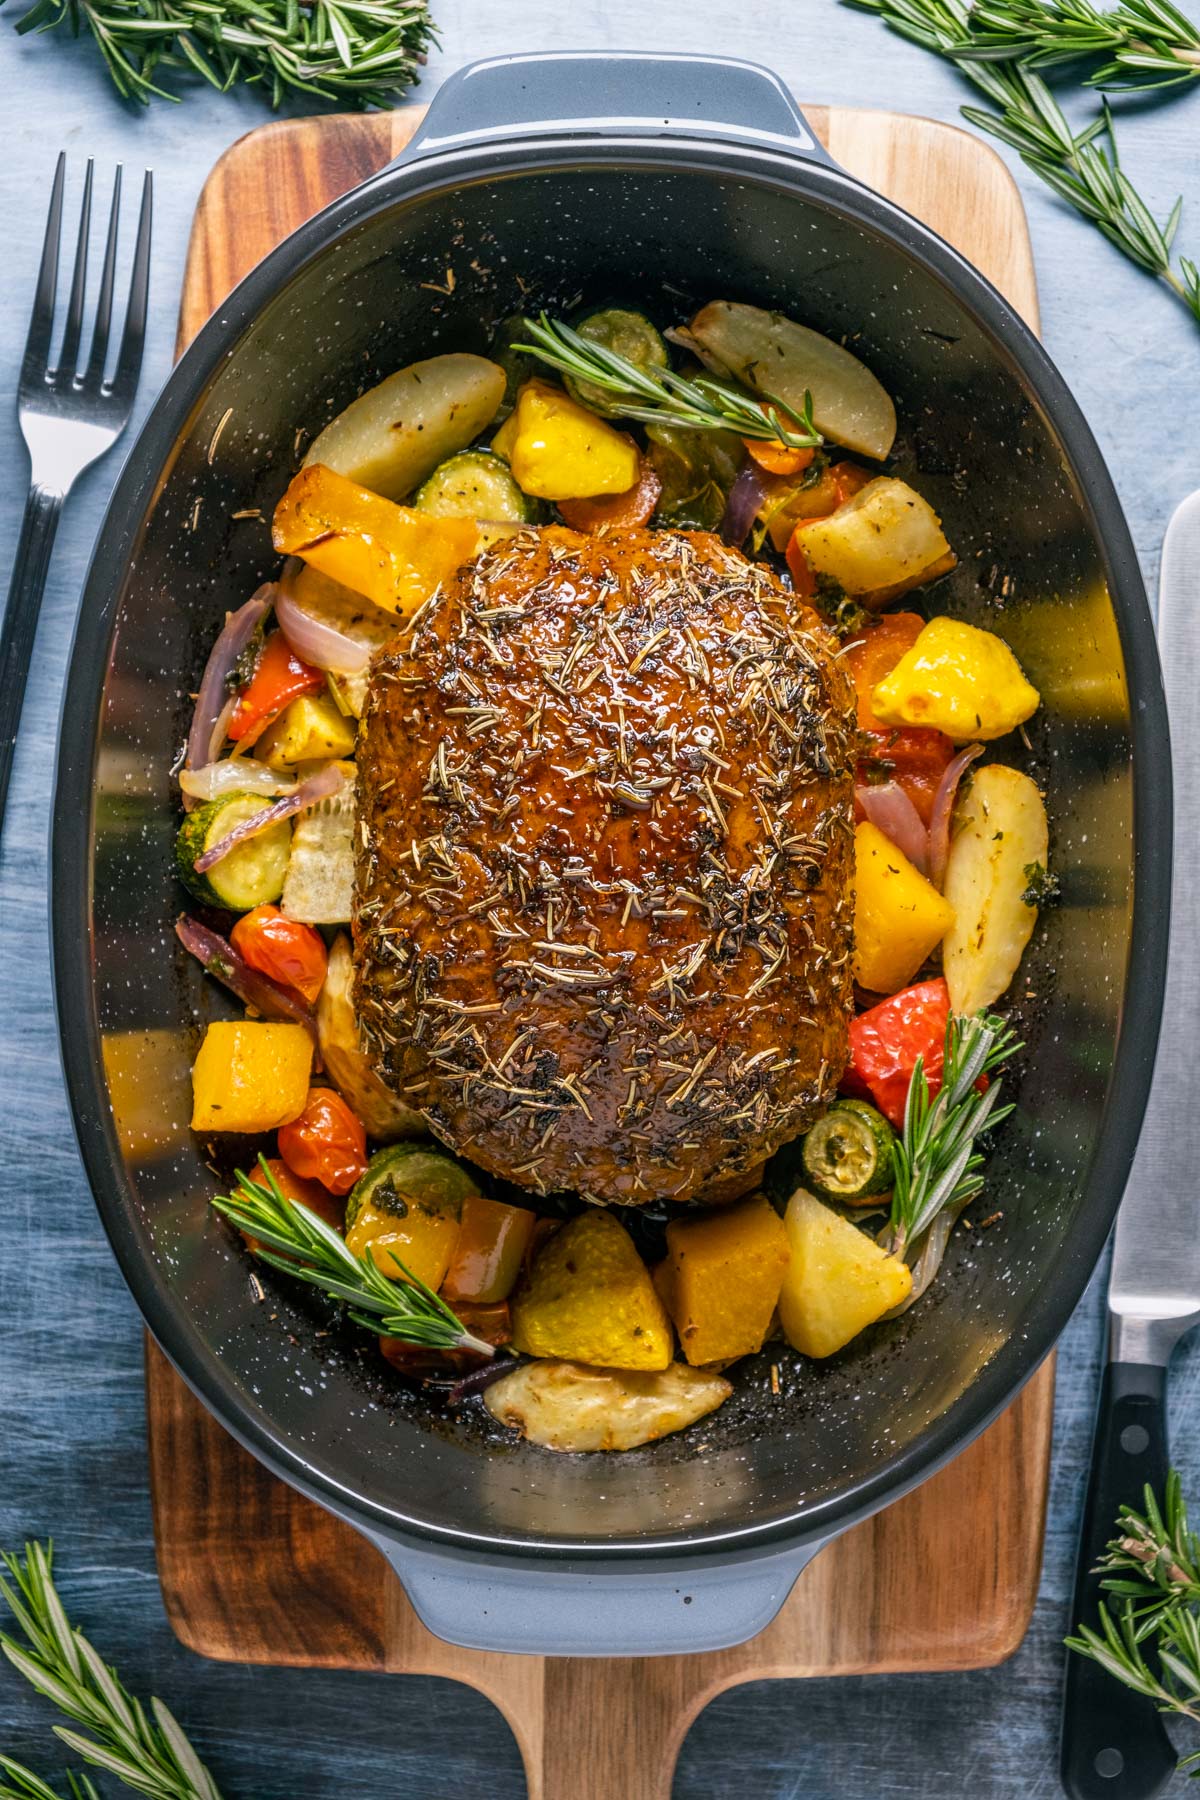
(252, 1572)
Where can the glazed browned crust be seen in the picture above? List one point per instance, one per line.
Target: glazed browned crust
(603, 915)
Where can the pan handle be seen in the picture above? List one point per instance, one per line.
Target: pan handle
(538, 1608)
(613, 93)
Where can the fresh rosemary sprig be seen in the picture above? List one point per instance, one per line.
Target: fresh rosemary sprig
(150, 1755)
(1083, 168)
(23, 1784)
(1152, 1572)
(656, 396)
(936, 1162)
(293, 1239)
(1143, 43)
(359, 53)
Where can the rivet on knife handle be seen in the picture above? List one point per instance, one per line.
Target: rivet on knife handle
(1114, 1746)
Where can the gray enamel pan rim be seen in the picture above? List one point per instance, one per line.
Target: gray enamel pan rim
(1051, 1305)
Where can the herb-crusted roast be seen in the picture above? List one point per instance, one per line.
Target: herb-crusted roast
(603, 907)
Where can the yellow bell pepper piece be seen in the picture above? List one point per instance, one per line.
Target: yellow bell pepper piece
(899, 917)
(310, 729)
(250, 1076)
(392, 554)
(558, 450)
(722, 1279)
(957, 679)
(838, 1282)
(589, 1299)
(421, 1241)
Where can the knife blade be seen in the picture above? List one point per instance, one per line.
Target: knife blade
(1113, 1741)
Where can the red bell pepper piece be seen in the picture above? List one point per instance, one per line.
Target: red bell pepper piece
(886, 1041)
(279, 677)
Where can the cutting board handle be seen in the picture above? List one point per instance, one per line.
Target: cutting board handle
(585, 1610)
(611, 93)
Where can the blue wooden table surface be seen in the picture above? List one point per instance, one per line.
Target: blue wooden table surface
(72, 1451)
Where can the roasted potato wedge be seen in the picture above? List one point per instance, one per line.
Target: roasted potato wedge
(568, 1406)
(777, 357)
(384, 1117)
(395, 435)
(1000, 834)
(839, 1280)
(884, 537)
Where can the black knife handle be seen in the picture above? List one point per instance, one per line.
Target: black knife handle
(1114, 1745)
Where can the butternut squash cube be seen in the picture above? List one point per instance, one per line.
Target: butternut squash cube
(723, 1277)
(558, 450)
(310, 729)
(589, 1298)
(394, 555)
(839, 1280)
(957, 679)
(899, 917)
(250, 1076)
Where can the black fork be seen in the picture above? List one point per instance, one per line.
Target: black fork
(69, 417)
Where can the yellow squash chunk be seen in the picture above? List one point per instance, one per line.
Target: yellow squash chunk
(310, 729)
(567, 1406)
(589, 1298)
(725, 1273)
(423, 1238)
(838, 1282)
(559, 450)
(999, 843)
(957, 679)
(899, 917)
(394, 555)
(250, 1076)
(885, 538)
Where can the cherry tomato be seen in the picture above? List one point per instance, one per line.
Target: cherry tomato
(326, 1143)
(778, 459)
(292, 954)
(620, 512)
(279, 677)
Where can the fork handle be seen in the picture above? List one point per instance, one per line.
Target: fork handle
(19, 628)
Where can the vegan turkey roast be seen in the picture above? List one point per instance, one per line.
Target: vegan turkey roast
(603, 903)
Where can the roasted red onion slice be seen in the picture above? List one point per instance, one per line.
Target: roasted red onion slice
(317, 787)
(316, 642)
(212, 698)
(222, 961)
(891, 811)
(745, 498)
(943, 808)
(234, 775)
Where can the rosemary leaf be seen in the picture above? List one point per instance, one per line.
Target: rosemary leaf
(660, 396)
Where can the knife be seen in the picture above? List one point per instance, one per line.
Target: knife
(1114, 1744)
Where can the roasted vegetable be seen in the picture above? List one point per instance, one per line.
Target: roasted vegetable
(394, 435)
(475, 484)
(815, 492)
(340, 610)
(319, 885)
(960, 680)
(310, 729)
(782, 360)
(616, 512)
(999, 832)
(568, 1406)
(632, 336)
(386, 1118)
(558, 450)
(406, 1209)
(490, 1250)
(886, 1040)
(882, 541)
(283, 949)
(395, 556)
(723, 1277)
(838, 1281)
(279, 676)
(250, 1076)
(252, 873)
(848, 1154)
(326, 1143)
(589, 1298)
(696, 470)
(899, 916)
